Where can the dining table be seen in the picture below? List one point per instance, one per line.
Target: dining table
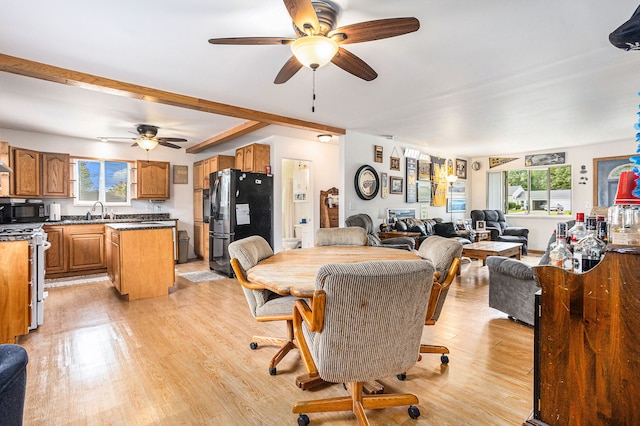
(294, 271)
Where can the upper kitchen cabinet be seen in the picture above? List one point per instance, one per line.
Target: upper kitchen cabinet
(4, 177)
(151, 180)
(197, 174)
(26, 172)
(217, 162)
(253, 158)
(55, 175)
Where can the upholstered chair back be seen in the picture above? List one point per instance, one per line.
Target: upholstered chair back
(353, 236)
(249, 251)
(373, 319)
(441, 252)
(13, 383)
(364, 221)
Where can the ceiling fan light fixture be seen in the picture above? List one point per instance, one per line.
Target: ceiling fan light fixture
(147, 143)
(324, 138)
(314, 51)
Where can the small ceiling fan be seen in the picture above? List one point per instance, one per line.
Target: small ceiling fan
(147, 139)
(318, 41)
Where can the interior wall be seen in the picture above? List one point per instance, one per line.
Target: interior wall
(541, 227)
(357, 150)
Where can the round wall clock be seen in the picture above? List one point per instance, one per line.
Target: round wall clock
(367, 182)
(476, 165)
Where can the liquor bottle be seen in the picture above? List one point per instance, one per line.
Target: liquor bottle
(560, 255)
(577, 231)
(589, 250)
(602, 231)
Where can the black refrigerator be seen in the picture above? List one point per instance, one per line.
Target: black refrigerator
(241, 206)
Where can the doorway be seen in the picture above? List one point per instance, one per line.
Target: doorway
(297, 203)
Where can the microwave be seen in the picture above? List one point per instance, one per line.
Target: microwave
(21, 212)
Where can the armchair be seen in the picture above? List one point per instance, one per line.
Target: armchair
(500, 230)
(13, 383)
(341, 237)
(364, 221)
(340, 335)
(265, 305)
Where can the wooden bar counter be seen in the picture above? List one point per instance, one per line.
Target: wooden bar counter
(588, 348)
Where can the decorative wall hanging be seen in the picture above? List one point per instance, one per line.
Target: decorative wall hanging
(544, 159)
(384, 185)
(606, 174)
(180, 174)
(424, 191)
(367, 182)
(377, 153)
(476, 165)
(395, 185)
(498, 161)
(394, 160)
(449, 167)
(411, 173)
(439, 181)
(461, 168)
(424, 170)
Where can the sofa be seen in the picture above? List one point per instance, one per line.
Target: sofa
(496, 223)
(429, 227)
(513, 285)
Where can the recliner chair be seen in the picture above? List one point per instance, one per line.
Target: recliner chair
(363, 220)
(500, 230)
(13, 383)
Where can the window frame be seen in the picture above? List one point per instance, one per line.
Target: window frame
(102, 182)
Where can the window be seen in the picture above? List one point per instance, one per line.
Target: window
(102, 180)
(531, 191)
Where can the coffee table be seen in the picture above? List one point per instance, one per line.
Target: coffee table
(483, 249)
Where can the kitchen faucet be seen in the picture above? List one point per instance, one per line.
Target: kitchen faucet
(93, 209)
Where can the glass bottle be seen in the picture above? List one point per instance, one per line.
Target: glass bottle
(589, 250)
(560, 255)
(577, 231)
(602, 229)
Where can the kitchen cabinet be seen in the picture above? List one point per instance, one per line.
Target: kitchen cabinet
(217, 162)
(26, 172)
(55, 175)
(253, 158)
(151, 180)
(197, 175)
(54, 256)
(141, 260)
(75, 250)
(14, 290)
(198, 243)
(197, 206)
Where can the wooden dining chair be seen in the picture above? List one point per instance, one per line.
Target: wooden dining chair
(264, 304)
(363, 323)
(352, 236)
(445, 254)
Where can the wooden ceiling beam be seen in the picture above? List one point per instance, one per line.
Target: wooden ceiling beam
(236, 132)
(46, 72)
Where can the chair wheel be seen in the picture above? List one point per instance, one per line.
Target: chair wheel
(402, 376)
(444, 359)
(253, 346)
(414, 412)
(273, 371)
(303, 420)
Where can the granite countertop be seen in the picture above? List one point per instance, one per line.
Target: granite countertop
(131, 218)
(139, 225)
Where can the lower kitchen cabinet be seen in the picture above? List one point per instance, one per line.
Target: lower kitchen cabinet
(54, 256)
(14, 290)
(75, 250)
(198, 243)
(140, 261)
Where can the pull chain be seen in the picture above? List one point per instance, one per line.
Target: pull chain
(313, 99)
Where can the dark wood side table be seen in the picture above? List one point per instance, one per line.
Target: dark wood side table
(395, 234)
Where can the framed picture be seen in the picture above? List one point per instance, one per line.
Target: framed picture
(424, 170)
(394, 215)
(480, 225)
(384, 185)
(411, 173)
(395, 185)
(180, 174)
(606, 173)
(544, 159)
(377, 153)
(461, 168)
(367, 182)
(424, 191)
(394, 163)
(456, 205)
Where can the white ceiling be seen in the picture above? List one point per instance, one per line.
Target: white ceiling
(488, 77)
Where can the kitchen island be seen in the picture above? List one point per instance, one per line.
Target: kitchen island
(140, 258)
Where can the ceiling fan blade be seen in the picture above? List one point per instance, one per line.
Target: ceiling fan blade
(291, 67)
(160, 140)
(354, 65)
(375, 30)
(106, 139)
(134, 144)
(252, 40)
(167, 144)
(303, 15)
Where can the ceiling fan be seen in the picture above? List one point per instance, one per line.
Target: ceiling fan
(147, 139)
(318, 41)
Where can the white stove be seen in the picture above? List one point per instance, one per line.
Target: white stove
(37, 238)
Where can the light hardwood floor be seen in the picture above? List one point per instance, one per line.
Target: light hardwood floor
(185, 359)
